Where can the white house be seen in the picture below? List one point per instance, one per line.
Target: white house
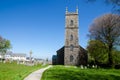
(18, 56)
(8, 55)
(14, 56)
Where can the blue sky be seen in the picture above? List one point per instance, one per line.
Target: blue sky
(39, 25)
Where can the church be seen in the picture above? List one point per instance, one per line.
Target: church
(71, 53)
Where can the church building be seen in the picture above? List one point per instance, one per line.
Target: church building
(71, 53)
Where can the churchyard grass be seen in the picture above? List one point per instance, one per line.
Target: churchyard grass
(14, 71)
(75, 73)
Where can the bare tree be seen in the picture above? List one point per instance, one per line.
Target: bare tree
(106, 28)
(114, 3)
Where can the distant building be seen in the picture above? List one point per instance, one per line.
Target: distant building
(29, 58)
(72, 53)
(8, 55)
(18, 56)
(39, 60)
(13, 56)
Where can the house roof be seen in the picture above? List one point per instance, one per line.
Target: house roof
(62, 48)
(19, 54)
(14, 54)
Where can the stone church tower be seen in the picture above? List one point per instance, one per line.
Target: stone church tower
(71, 53)
(71, 38)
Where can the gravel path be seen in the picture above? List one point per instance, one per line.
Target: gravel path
(37, 74)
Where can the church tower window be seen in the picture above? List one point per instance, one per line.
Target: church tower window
(71, 37)
(71, 47)
(71, 23)
(71, 58)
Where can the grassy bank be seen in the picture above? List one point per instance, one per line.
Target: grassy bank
(73, 73)
(12, 71)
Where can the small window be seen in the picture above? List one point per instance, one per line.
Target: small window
(71, 37)
(71, 58)
(71, 47)
(71, 23)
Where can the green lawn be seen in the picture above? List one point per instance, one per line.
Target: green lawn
(12, 71)
(73, 73)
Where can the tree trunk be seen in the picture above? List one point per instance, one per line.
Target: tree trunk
(110, 56)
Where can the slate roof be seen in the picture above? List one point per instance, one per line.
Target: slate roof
(19, 54)
(14, 54)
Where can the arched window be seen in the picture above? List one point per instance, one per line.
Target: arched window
(71, 58)
(71, 47)
(71, 37)
(71, 23)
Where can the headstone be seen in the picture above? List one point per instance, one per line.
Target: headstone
(85, 67)
(18, 62)
(88, 65)
(81, 66)
(4, 61)
(95, 66)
